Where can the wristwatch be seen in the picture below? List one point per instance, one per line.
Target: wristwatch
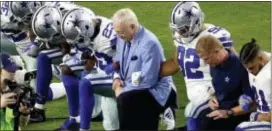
(230, 112)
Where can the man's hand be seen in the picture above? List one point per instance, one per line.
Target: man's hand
(7, 99)
(118, 91)
(213, 103)
(117, 86)
(218, 114)
(245, 102)
(117, 83)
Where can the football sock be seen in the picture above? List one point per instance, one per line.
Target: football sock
(86, 103)
(71, 87)
(44, 76)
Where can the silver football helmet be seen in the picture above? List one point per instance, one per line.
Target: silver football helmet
(46, 23)
(62, 5)
(23, 10)
(77, 26)
(186, 21)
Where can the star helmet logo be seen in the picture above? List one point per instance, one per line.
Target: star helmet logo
(188, 13)
(48, 23)
(23, 4)
(227, 79)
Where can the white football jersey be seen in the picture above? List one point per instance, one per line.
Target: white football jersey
(103, 44)
(195, 71)
(10, 27)
(261, 86)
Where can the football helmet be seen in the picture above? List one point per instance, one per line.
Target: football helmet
(62, 6)
(46, 23)
(186, 21)
(77, 26)
(23, 10)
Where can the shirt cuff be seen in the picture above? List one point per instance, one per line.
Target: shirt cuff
(116, 76)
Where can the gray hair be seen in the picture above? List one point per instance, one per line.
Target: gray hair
(125, 16)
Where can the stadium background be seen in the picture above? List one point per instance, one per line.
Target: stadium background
(244, 20)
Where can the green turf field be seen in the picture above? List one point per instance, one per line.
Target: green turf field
(243, 19)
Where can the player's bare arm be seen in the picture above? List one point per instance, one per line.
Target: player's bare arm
(237, 110)
(170, 66)
(32, 36)
(264, 117)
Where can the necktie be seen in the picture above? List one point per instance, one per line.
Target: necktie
(126, 54)
(128, 45)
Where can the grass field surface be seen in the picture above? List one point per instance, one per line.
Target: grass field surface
(244, 20)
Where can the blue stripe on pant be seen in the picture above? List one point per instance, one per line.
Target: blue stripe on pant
(92, 82)
(52, 53)
(101, 81)
(254, 125)
(98, 78)
(77, 69)
(261, 127)
(74, 89)
(197, 115)
(200, 108)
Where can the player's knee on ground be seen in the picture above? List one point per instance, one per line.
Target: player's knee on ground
(66, 70)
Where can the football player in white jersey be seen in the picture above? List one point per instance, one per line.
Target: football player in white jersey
(46, 49)
(187, 24)
(258, 63)
(16, 36)
(50, 47)
(97, 34)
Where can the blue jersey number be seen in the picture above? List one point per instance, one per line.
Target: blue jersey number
(103, 60)
(5, 8)
(215, 29)
(260, 97)
(108, 31)
(187, 66)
